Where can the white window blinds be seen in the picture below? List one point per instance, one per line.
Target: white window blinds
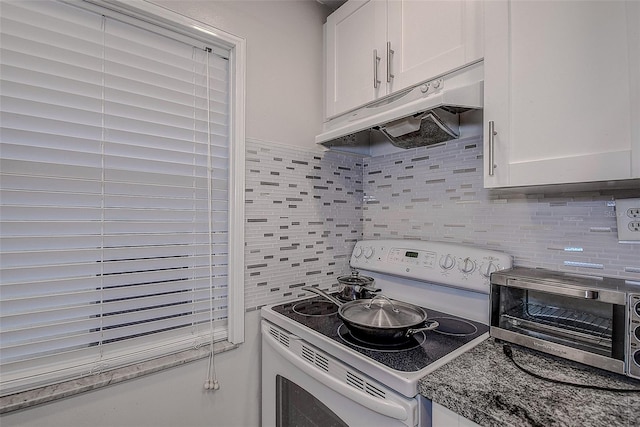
(114, 193)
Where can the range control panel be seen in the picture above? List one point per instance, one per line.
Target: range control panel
(460, 266)
(413, 257)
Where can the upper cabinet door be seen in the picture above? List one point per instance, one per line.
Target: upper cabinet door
(561, 92)
(374, 48)
(430, 38)
(355, 43)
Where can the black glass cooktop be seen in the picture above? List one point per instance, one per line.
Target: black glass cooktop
(411, 355)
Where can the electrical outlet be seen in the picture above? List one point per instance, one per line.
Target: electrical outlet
(628, 218)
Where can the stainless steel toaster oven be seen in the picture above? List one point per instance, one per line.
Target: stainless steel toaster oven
(592, 320)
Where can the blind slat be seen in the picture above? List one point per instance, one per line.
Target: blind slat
(32, 369)
(83, 291)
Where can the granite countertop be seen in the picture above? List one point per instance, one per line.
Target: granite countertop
(484, 386)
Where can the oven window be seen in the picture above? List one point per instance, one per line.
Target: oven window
(579, 323)
(295, 407)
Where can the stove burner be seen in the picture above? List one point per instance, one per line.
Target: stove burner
(415, 341)
(315, 308)
(454, 327)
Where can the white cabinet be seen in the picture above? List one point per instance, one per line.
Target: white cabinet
(444, 417)
(355, 43)
(374, 48)
(561, 91)
(430, 38)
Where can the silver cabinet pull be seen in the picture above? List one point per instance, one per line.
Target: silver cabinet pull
(376, 60)
(492, 134)
(390, 52)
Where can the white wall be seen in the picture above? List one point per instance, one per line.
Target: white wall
(284, 105)
(284, 62)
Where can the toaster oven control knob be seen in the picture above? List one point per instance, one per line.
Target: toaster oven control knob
(357, 252)
(488, 268)
(368, 252)
(467, 266)
(447, 262)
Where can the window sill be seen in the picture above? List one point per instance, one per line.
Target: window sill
(26, 399)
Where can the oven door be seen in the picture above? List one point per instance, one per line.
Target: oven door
(303, 386)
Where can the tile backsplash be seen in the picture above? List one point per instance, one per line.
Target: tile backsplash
(437, 193)
(303, 215)
(305, 210)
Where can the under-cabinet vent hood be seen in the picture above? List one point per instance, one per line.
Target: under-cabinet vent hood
(422, 115)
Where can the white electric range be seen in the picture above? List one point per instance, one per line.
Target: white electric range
(314, 373)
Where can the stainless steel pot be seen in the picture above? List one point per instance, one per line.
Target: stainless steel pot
(380, 319)
(355, 287)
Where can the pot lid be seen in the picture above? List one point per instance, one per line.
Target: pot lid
(355, 279)
(381, 312)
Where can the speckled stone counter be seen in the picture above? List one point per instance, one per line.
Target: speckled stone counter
(484, 386)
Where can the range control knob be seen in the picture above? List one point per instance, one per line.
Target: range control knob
(368, 252)
(467, 265)
(357, 251)
(447, 262)
(487, 269)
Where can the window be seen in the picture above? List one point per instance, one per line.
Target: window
(121, 188)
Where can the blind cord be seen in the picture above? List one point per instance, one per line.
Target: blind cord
(211, 382)
(509, 353)
(102, 189)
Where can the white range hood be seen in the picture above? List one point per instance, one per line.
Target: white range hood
(422, 115)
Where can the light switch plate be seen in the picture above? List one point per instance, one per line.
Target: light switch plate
(628, 218)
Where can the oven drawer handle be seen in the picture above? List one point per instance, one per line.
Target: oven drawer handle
(380, 406)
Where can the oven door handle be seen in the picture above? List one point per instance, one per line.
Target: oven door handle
(603, 295)
(381, 406)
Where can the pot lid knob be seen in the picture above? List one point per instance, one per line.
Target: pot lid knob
(356, 279)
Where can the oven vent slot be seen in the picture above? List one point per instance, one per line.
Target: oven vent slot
(355, 381)
(279, 336)
(375, 391)
(361, 384)
(315, 359)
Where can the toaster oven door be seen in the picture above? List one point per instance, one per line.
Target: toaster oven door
(579, 326)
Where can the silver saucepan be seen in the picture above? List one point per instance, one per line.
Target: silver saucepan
(380, 319)
(355, 286)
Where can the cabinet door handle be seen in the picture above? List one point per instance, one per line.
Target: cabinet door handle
(492, 134)
(376, 60)
(390, 52)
